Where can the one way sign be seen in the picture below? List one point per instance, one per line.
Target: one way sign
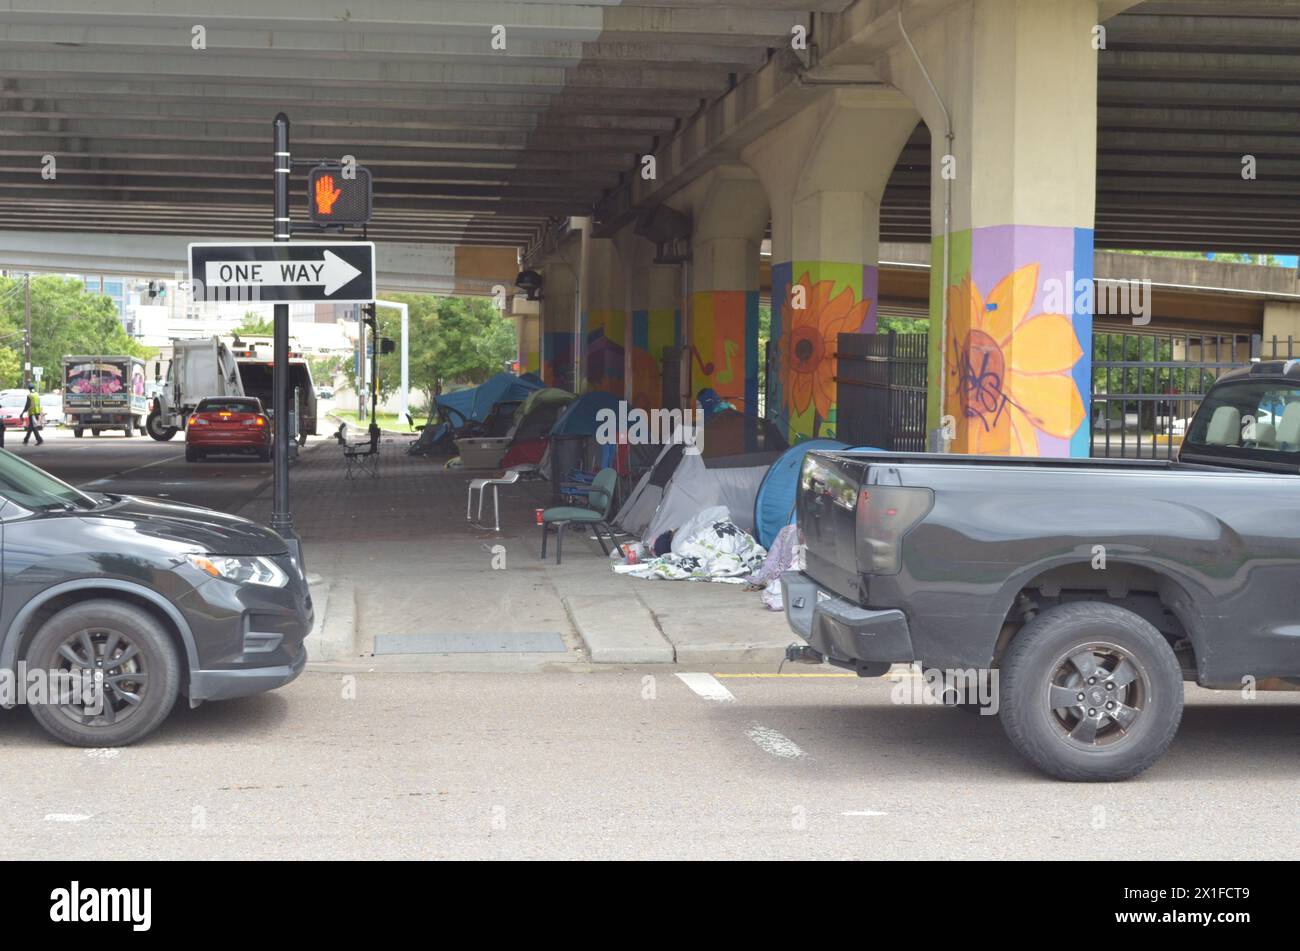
(280, 271)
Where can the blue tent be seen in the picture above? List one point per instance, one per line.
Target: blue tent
(580, 418)
(475, 402)
(774, 504)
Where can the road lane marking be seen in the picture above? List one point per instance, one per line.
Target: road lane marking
(770, 741)
(66, 817)
(117, 475)
(784, 676)
(707, 686)
(864, 812)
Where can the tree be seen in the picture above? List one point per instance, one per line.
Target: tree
(66, 319)
(255, 325)
(11, 368)
(453, 340)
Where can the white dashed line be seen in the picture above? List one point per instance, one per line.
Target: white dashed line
(66, 817)
(864, 812)
(708, 687)
(769, 741)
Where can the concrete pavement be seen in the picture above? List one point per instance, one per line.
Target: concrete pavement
(633, 764)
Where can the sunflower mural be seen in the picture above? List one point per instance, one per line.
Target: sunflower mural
(807, 352)
(1009, 370)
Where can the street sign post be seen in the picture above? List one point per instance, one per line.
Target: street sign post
(334, 272)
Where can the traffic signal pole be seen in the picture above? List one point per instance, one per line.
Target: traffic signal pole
(281, 517)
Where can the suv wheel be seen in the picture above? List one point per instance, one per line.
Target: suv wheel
(1090, 692)
(140, 670)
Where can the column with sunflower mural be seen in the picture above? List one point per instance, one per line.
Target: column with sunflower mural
(813, 302)
(1015, 371)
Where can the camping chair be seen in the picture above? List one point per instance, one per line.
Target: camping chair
(359, 457)
(560, 517)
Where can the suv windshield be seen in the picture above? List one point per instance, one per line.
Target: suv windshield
(1250, 420)
(24, 484)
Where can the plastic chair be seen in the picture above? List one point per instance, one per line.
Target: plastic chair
(601, 498)
(510, 477)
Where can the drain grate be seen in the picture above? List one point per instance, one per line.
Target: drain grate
(472, 642)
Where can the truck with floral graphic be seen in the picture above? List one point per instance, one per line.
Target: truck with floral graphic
(104, 393)
(1071, 597)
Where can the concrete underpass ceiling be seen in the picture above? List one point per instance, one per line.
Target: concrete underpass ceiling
(472, 145)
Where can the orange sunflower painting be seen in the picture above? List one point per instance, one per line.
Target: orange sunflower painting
(808, 350)
(1009, 371)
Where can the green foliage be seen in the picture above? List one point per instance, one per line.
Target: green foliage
(453, 340)
(255, 325)
(66, 319)
(11, 368)
(903, 325)
(1268, 260)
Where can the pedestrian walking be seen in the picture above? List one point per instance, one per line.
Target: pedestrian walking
(33, 411)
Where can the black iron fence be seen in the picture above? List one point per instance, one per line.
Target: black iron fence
(1147, 387)
(881, 390)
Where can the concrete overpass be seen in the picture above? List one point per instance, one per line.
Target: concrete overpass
(641, 151)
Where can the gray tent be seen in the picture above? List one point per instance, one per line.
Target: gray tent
(737, 451)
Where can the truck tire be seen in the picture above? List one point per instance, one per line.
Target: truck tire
(94, 431)
(121, 640)
(129, 430)
(154, 427)
(1090, 692)
(78, 432)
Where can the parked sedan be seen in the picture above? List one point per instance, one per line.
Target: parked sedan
(135, 602)
(12, 406)
(228, 424)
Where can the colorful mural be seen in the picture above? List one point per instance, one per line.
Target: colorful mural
(724, 345)
(557, 359)
(808, 315)
(604, 358)
(652, 331)
(1016, 375)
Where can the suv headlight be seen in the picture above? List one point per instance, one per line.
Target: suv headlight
(254, 570)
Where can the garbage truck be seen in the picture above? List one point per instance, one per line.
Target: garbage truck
(104, 393)
(200, 367)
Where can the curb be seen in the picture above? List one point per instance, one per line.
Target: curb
(613, 636)
(333, 636)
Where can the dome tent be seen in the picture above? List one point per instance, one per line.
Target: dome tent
(774, 503)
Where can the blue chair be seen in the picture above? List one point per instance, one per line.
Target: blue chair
(601, 499)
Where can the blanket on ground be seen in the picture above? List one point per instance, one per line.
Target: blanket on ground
(717, 551)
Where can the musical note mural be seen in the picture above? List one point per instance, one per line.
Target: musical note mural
(1016, 375)
(724, 346)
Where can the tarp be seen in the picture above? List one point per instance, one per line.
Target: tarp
(580, 418)
(534, 419)
(475, 402)
(774, 503)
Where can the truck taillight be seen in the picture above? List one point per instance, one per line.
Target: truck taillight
(885, 514)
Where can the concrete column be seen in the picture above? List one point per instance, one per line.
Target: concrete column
(654, 318)
(604, 318)
(1010, 357)
(730, 215)
(1281, 330)
(559, 288)
(825, 170)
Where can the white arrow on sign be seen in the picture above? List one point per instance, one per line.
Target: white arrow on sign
(331, 271)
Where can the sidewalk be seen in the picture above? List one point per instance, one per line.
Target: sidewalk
(396, 560)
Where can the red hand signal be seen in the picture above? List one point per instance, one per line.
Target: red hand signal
(326, 195)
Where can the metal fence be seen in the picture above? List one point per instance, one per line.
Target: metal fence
(1147, 387)
(882, 390)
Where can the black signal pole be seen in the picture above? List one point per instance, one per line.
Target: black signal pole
(281, 517)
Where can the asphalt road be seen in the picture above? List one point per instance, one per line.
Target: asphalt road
(141, 466)
(610, 764)
(633, 764)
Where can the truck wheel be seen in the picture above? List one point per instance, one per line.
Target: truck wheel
(130, 431)
(140, 666)
(78, 432)
(154, 426)
(1090, 692)
(94, 432)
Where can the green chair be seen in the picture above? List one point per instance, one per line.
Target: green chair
(560, 517)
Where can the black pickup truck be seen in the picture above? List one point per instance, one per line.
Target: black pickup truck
(1085, 590)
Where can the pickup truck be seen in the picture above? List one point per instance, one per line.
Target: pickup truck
(1086, 590)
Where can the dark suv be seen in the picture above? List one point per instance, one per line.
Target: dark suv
(145, 599)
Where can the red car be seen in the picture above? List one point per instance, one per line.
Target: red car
(227, 424)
